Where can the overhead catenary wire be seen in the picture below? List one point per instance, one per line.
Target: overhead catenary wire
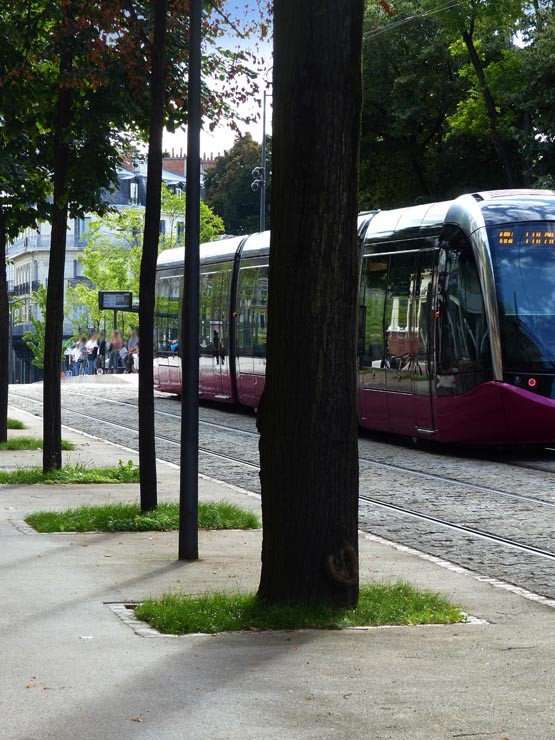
(410, 19)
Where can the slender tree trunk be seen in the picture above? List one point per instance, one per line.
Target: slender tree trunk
(308, 415)
(498, 142)
(147, 448)
(52, 422)
(4, 334)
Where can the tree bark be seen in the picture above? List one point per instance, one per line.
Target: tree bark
(4, 334)
(499, 144)
(53, 334)
(147, 448)
(308, 414)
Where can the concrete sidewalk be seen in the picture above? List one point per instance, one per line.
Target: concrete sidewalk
(71, 668)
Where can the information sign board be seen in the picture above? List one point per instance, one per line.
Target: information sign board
(115, 300)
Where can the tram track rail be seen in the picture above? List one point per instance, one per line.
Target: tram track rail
(548, 453)
(398, 509)
(368, 461)
(218, 425)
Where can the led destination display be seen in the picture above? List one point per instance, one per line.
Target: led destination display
(539, 236)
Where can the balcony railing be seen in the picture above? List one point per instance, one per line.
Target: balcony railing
(26, 288)
(41, 242)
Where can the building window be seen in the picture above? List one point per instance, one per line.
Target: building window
(180, 232)
(134, 192)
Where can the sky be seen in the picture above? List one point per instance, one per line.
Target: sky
(222, 138)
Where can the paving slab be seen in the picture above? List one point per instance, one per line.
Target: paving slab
(71, 668)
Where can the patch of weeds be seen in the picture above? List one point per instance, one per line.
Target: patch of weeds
(223, 515)
(30, 443)
(379, 604)
(130, 518)
(123, 473)
(16, 424)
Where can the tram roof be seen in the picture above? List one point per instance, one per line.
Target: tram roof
(497, 206)
(513, 206)
(408, 222)
(218, 251)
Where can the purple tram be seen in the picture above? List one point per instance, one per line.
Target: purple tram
(456, 319)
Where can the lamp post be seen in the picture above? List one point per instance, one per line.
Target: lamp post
(264, 168)
(260, 173)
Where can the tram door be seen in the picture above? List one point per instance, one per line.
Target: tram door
(395, 347)
(422, 332)
(214, 373)
(399, 340)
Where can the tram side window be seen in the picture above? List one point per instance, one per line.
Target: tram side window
(168, 291)
(463, 336)
(373, 286)
(260, 313)
(206, 293)
(173, 313)
(253, 311)
(214, 306)
(245, 300)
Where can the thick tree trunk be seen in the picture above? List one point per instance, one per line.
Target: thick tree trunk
(147, 448)
(498, 142)
(4, 334)
(52, 422)
(308, 414)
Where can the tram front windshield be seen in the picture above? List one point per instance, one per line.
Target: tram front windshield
(524, 264)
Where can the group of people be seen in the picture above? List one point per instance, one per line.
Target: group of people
(98, 355)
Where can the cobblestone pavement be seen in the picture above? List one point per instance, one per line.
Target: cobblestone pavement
(511, 495)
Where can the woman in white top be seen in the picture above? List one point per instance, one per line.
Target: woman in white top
(92, 351)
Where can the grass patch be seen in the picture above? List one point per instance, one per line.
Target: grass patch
(30, 443)
(379, 604)
(130, 518)
(123, 473)
(16, 424)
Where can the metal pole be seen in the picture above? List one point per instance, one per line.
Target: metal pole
(263, 185)
(189, 340)
(11, 369)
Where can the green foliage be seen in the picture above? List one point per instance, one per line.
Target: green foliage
(378, 604)
(409, 89)
(228, 186)
(15, 424)
(108, 75)
(123, 473)
(30, 443)
(173, 212)
(23, 138)
(112, 258)
(130, 518)
(538, 101)
(427, 131)
(34, 338)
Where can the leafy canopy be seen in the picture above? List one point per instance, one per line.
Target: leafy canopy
(228, 186)
(112, 257)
